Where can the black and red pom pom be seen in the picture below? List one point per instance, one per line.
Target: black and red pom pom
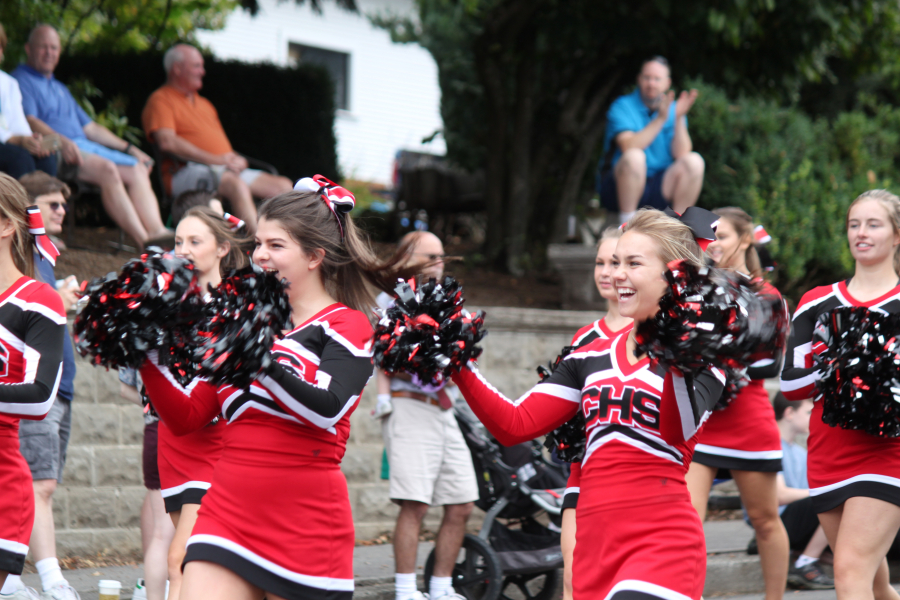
(569, 439)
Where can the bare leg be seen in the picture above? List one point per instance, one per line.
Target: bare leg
(699, 480)
(3, 575)
(567, 542)
(183, 527)
(137, 181)
(406, 535)
(268, 185)
(817, 544)
(238, 195)
(43, 535)
(205, 581)
(758, 494)
(157, 532)
(450, 538)
(683, 181)
(631, 178)
(105, 174)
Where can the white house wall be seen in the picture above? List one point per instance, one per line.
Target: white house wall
(394, 96)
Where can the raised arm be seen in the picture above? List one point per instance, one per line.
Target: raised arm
(43, 352)
(183, 409)
(798, 379)
(686, 403)
(548, 405)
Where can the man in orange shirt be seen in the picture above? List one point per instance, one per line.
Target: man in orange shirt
(184, 123)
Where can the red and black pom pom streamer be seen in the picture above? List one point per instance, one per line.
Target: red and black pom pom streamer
(711, 317)
(248, 311)
(568, 440)
(426, 332)
(857, 352)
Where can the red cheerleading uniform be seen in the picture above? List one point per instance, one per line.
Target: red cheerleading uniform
(637, 531)
(598, 330)
(32, 331)
(842, 463)
(278, 511)
(186, 463)
(744, 435)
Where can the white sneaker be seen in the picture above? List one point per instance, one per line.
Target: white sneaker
(23, 593)
(380, 411)
(140, 590)
(64, 591)
(451, 595)
(417, 596)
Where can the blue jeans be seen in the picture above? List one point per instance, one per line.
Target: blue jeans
(17, 161)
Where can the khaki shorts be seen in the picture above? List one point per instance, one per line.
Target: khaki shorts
(428, 457)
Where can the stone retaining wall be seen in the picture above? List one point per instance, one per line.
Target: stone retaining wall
(97, 508)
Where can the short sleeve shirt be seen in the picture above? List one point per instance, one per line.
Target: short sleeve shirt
(195, 120)
(12, 118)
(629, 113)
(49, 100)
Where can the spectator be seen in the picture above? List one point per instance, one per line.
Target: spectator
(647, 153)
(188, 200)
(804, 531)
(44, 443)
(99, 156)
(184, 123)
(430, 464)
(21, 151)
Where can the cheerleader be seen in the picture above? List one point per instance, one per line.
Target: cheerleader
(611, 325)
(744, 438)
(32, 330)
(854, 477)
(637, 531)
(186, 462)
(277, 518)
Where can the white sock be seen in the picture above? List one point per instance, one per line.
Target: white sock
(440, 587)
(12, 584)
(624, 217)
(404, 585)
(804, 560)
(51, 574)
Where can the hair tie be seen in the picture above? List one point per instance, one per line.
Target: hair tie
(760, 235)
(701, 222)
(41, 242)
(339, 200)
(234, 223)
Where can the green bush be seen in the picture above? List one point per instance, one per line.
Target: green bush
(795, 174)
(284, 116)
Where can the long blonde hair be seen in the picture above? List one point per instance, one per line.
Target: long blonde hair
(891, 204)
(674, 240)
(14, 206)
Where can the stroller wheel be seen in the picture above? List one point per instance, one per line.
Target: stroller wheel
(533, 586)
(477, 574)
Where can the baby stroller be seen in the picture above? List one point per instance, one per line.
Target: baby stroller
(518, 556)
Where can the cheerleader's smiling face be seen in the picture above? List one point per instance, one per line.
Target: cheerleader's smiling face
(639, 277)
(195, 241)
(604, 269)
(729, 248)
(871, 233)
(277, 252)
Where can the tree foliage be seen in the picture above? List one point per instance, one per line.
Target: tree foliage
(526, 83)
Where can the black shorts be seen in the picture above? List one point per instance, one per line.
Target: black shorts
(800, 520)
(151, 466)
(653, 196)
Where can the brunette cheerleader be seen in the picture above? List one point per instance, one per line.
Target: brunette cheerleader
(32, 329)
(277, 520)
(743, 437)
(854, 477)
(637, 531)
(611, 325)
(186, 462)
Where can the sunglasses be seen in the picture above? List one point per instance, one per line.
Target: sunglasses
(55, 206)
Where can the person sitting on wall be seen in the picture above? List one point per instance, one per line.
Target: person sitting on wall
(647, 152)
(98, 156)
(184, 123)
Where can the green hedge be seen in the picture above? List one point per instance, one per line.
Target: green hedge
(795, 174)
(284, 116)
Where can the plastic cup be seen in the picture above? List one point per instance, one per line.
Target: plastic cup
(110, 589)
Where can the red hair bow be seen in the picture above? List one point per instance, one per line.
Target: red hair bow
(761, 235)
(233, 221)
(36, 228)
(338, 199)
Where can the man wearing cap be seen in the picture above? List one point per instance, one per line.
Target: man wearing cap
(648, 157)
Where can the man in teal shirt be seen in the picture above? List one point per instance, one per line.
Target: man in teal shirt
(648, 157)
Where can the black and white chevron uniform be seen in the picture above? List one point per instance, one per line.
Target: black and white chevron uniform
(32, 330)
(640, 422)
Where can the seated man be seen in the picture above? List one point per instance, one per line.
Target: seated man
(186, 124)
(21, 151)
(100, 157)
(647, 158)
(804, 531)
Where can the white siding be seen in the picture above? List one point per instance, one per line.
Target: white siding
(394, 96)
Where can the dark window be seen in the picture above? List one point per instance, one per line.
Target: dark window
(336, 63)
